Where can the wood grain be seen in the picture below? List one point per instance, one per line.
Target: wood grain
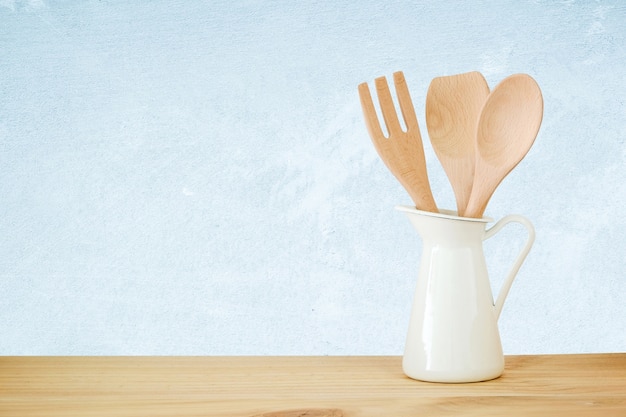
(453, 105)
(572, 385)
(507, 128)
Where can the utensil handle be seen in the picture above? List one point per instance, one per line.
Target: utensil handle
(506, 286)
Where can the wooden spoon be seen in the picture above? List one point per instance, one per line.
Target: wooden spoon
(453, 105)
(507, 127)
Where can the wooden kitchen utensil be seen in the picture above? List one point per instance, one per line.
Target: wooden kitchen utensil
(401, 151)
(507, 127)
(453, 105)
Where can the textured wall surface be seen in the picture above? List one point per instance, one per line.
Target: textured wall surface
(195, 177)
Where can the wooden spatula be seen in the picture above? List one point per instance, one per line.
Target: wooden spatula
(453, 105)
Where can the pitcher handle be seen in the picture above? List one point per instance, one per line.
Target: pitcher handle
(506, 286)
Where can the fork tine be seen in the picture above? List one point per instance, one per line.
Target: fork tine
(387, 107)
(371, 119)
(381, 143)
(406, 104)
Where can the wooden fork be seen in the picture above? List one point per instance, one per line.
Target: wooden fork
(402, 152)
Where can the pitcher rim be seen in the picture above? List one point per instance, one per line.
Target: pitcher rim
(443, 213)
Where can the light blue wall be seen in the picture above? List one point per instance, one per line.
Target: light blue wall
(194, 177)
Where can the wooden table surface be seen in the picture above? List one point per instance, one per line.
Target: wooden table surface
(353, 386)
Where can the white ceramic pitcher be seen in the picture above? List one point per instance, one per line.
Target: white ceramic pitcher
(453, 330)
